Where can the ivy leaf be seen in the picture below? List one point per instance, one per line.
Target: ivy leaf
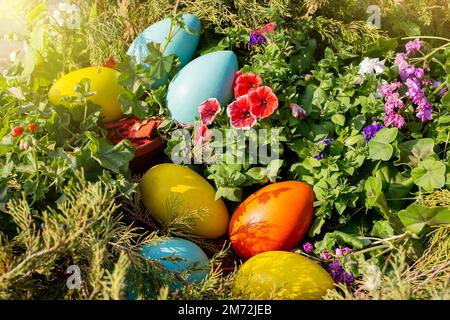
(380, 147)
(112, 157)
(429, 175)
(416, 217)
(414, 151)
(131, 105)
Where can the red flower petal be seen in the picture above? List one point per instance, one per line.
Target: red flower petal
(110, 63)
(239, 114)
(236, 77)
(209, 110)
(202, 135)
(263, 102)
(32, 127)
(17, 131)
(246, 83)
(268, 28)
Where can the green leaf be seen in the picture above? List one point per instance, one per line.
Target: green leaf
(112, 157)
(380, 47)
(382, 229)
(338, 119)
(373, 188)
(380, 147)
(429, 175)
(414, 151)
(416, 217)
(232, 194)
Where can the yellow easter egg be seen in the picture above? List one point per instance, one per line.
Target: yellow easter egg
(281, 275)
(170, 189)
(103, 82)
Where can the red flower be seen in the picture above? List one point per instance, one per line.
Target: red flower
(17, 131)
(202, 135)
(209, 110)
(263, 102)
(268, 28)
(245, 83)
(110, 63)
(32, 127)
(239, 113)
(236, 77)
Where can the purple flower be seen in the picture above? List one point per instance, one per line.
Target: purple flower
(339, 274)
(326, 142)
(308, 247)
(324, 255)
(414, 46)
(256, 38)
(401, 58)
(371, 130)
(338, 252)
(297, 111)
(438, 84)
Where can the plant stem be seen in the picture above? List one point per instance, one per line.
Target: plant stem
(426, 37)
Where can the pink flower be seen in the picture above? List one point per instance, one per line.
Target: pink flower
(414, 46)
(394, 119)
(308, 247)
(202, 135)
(240, 115)
(324, 255)
(346, 250)
(263, 102)
(209, 109)
(388, 89)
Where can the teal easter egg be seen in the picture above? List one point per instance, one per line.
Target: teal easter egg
(208, 76)
(183, 44)
(189, 258)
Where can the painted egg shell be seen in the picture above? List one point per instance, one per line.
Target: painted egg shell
(281, 275)
(169, 189)
(187, 257)
(103, 81)
(183, 44)
(209, 76)
(275, 217)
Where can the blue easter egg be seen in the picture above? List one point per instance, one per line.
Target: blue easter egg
(183, 44)
(189, 257)
(208, 76)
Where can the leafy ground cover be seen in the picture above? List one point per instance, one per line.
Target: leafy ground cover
(363, 117)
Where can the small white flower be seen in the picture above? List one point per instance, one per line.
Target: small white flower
(371, 66)
(68, 15)
(58, 17)
(359, 80)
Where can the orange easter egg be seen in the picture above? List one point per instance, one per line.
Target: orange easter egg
(275, 218)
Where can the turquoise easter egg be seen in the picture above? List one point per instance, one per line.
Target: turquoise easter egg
(176, 255)
(183, 44)
(208, 76)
